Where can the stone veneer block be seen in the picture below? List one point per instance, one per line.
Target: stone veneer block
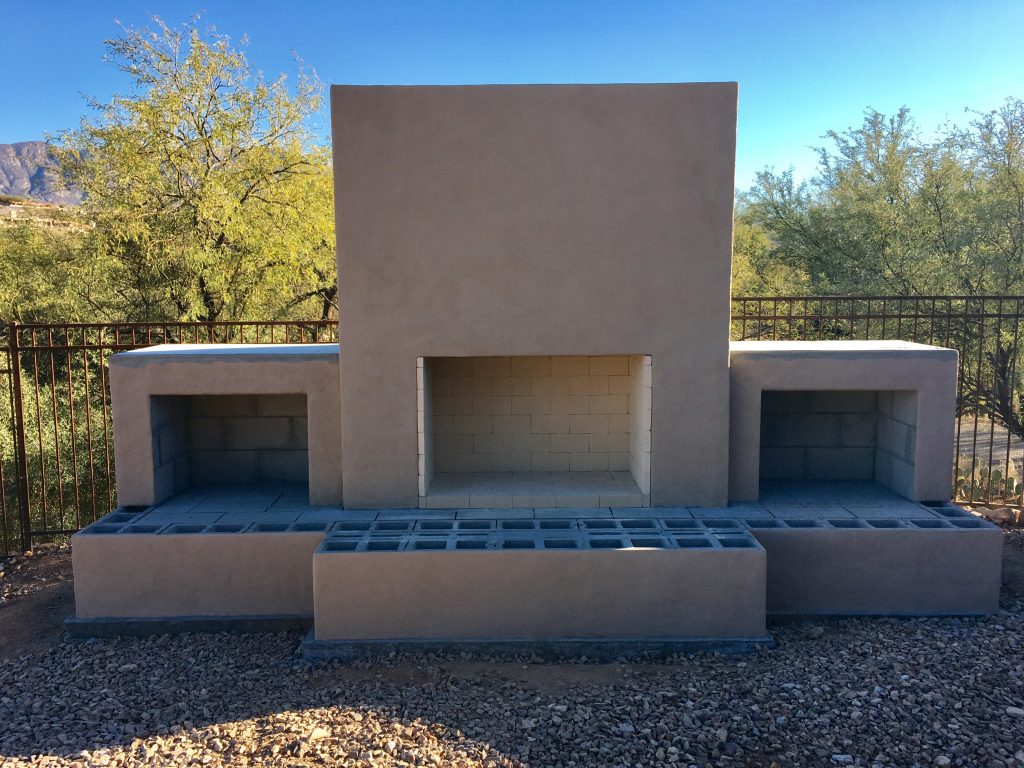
(921, 377)
(457, 237)
(530, 594)
(142, 377)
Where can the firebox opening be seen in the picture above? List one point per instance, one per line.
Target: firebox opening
(206, 440)
(539, 431)
(863, 435)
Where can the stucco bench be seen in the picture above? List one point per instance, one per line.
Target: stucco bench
(151, 388)
(910, 447)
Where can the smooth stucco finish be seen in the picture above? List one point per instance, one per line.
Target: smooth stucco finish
(534, 220)
(515, 594)
(172, 369)
(914, 572)
(884, 366)
(190, 574)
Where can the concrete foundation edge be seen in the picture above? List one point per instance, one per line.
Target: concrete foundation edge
(600, 650)
(176, 625)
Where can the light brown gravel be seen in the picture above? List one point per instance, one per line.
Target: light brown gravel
(921, 692)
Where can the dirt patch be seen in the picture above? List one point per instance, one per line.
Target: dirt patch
(36, 595)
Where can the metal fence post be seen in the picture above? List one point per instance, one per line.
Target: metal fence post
(21, 454)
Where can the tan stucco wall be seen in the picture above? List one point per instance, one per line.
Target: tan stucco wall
(534, 220)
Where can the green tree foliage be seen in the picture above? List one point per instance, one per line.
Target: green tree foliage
(211, 197)
(890, 212)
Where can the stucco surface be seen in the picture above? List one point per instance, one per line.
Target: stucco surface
(916, 572)
(172, 575)
(137, 376)
(534, 220)
(526, 594)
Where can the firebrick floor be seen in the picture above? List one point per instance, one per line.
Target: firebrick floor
(455, 490)
(832, 500)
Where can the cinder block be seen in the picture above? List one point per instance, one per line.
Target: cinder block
(549, 385)
(510, 385)
(620, 385)
(778, 463)
(455, 405)
(551, 424)
(620, 422)
(843, 401)
(530, 404)
(454, 367)
(300, 432)
(251, 433)
(221, 405)
(492, 366)
(289, 466)
(588, 462)
(453, 443)
(609, 365)
(839, 463)
(895, 437)
(570, 443)
(492, 443)
(493, 405)
(532, 443)
(857, 429)
(220, 467)
(550, 462)
(904, 407)
(570, 404)
(783, 402)
(172, 441)
(472, 425)
(588, 385)
(609, 404)
(570, 365)
(609, 443)
(442, 385)
(511, 425)
(618, 462)
(800, 429)
(164, 482)
(591, 425)
(902, 480)
(444, 424)
(531, 366)
(472, 386)
(281, 405)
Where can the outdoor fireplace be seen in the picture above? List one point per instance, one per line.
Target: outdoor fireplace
(482, 229)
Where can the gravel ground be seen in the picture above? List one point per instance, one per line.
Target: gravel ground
(881, 692)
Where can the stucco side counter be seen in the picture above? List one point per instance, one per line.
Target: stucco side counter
(138, 376)
(920, 380)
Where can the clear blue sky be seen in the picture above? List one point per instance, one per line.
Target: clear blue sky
(803, 67)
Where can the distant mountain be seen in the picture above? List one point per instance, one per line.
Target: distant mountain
(23, 173)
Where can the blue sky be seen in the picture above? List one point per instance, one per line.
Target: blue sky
(804, 67)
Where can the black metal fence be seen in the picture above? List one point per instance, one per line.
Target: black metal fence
(56, 457)
(56, 453)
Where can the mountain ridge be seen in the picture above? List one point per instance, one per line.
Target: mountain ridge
(24, 173)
